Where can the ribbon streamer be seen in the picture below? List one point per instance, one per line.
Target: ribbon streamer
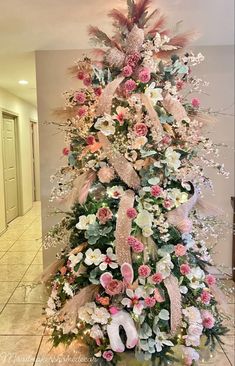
(172, 285)
(105, 100)
(151, 112)
(175, 108)
(123, 228)
(123, 167)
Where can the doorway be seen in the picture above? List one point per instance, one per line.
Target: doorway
(10, 167)
(32, 125)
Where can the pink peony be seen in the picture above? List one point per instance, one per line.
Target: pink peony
(195, 103)
(90, 140)
(205, 297)
(131, 213)
(106, 174)
(130, 85)
(81, 112)
(127, 71)
(185, 226)
(158, 296)
(87, 80)
(140, 129)
(133, 59)
(168, 203)
(150, 302)
(166, 140)
(208, 320)
(66, 151)
(108, 355)
(144, 75)
(135, 244)
(180, 250)
(210, 280)
(104, 214)
(80, 75)
(156, 191)
(157, 278)
(80, 97)
(98, 91)
(114, 287)
(144, 271)
(185, 269)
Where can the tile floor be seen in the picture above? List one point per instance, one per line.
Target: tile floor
(23, 340)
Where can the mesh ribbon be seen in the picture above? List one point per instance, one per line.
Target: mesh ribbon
(105, 100)
(172, 285)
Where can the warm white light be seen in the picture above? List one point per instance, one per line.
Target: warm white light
(23, 82)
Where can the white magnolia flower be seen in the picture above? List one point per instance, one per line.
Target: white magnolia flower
(115, 192)
(93, 257)
(139, 142)
(51, 309)
(96, 332)
(144, 219)
(147, 231)
(172, 158)
(100, 315)
(86, 311)
(161, 340)
(74, 259)
(164, 266)
(85, 221)
(196, 277)
(108, 260)
(155, 94)
(177, 196)
(67, 289)
(106, 125)
(134, 300)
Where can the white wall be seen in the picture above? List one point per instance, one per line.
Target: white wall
(53, 79)
(25, 113)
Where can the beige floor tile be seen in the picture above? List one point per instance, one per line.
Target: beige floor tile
(33, 273)
(38, 259)
(30, 236)
(18, 258)
(218, 358)
(21, 319)
(1, 307)
(25, 245)
(228, 348)
(2, 254)
(31, 293)
(12, 272)
(10, 235)
(5, 244)
(18, 350)
(229, 286)
(6, 290)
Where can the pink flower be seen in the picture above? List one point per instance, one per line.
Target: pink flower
(179, 85)
(81, 111)
(156, 191)
(87, 80)
(210, 280)
(144, 271)
(140, 129)
(66, 151)
(158, 296)
(144, 75)
(80, 75)
(166, 140)
(180, 250)
(114, 287)
(104, 214)
(185, 226)
(98, 91)
(90, 140)
(205, 297)
(195, 103)
(80, 97)
(157, 278)
(127, 71)
(130, 85)
(108, 355)
(131, 213)
(135, 244)
(106, 174)
(208, 320)
(150, 302)
(185, 269)
(133, 59)
(168, 203)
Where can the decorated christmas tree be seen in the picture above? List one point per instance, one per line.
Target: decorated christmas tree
(134, 274)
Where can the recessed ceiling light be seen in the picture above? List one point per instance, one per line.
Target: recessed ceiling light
(23, 82)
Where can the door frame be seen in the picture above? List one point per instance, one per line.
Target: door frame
(35, 151)
(15, 116)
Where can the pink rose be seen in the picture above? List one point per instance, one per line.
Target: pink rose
(130, 85)
(185, 269)
(108, 355)
(140, 129)
(66, 151)
(179, 85)
(98, 91)
(106, 174)
(205, 297)
(80, 75)
(150, 302)
(87, 80)
(208, 320)
(168, 203)
(158, 297)
(135, 244)
(210, 280)
(81, 111)
(144, 75)
(127, 71)
(144, 271)
(166, 140)
(180, 250)
(185, 226)
(195, 103)
(131, 213)
(133, 59)
(157, 278)
(156, 191)
(104, 214)
(80, 97)
(90, 140)
(114, 287)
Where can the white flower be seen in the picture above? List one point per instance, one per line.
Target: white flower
(100, 315)
(93, 257)
(85, 221)
(51, 309)
(144, 219)
(192, 314)
(183, 290)
(164, 266)
(161, 340)
(67, 289)
(115, 192)
(147, 231)
(134, 301)
(195, 328)
(139, 142)
(96, 332)
(106, 125)
(108, 260)
(74, 259)
(172, 158)
(196, 277)
(155, 94)
(86, 311)
(177, 196)
(190, 353)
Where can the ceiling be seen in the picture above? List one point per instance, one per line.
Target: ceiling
(29, 25)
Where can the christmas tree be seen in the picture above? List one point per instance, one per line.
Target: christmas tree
(134, 274)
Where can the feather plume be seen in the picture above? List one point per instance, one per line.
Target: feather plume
(159, 24)
(119, 19)
(183, 39)
(100, 37)
(139, 9)
(50, 271)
